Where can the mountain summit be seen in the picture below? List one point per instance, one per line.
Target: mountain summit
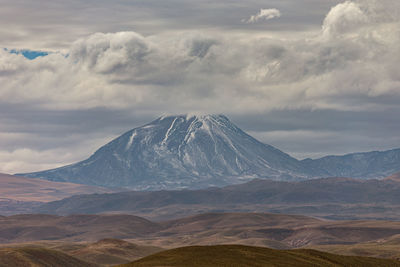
(175, 152)
(185, 151)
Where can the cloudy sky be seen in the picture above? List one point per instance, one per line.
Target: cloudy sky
(311, 77)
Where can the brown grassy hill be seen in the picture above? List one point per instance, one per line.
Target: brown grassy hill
(112, 252)
(235, 255)
(370, 249)
(235, 220)
(25, 228)
(256, 229)
(259, 229)
(36, 190)
(382, 248)
(106, 252)
(272, 230)
(38, 257)
(373, 238)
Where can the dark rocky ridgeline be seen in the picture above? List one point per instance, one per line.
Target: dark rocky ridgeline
(325, 197)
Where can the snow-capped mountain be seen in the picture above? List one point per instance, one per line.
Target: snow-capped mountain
(177, 152)
(180, 152)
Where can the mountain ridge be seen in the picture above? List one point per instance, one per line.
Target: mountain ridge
(176, 152)
(200, 151)
(373, 164)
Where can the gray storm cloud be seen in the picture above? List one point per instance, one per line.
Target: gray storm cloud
(349, 65)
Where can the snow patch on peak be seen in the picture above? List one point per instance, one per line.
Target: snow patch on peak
(192, 116)
(168, 133)
(189, 116)
(129, 144)
(205, 117)
(147, 126)
(195, 115)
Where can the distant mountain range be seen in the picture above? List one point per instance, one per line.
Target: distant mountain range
(178, 152)
(332, 198)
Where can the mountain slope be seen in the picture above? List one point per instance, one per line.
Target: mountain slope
(35, 227)
(235, 255)
(375, 164)
(180, 152)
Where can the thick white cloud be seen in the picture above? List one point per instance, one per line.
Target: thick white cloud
(263, 15)
(351, 64)
(107, 53)
(125, 68)
(26, 159)
(343, 18)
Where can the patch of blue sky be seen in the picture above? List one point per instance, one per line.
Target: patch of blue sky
(29, 54)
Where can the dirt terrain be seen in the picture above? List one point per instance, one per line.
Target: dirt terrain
(36, 190)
